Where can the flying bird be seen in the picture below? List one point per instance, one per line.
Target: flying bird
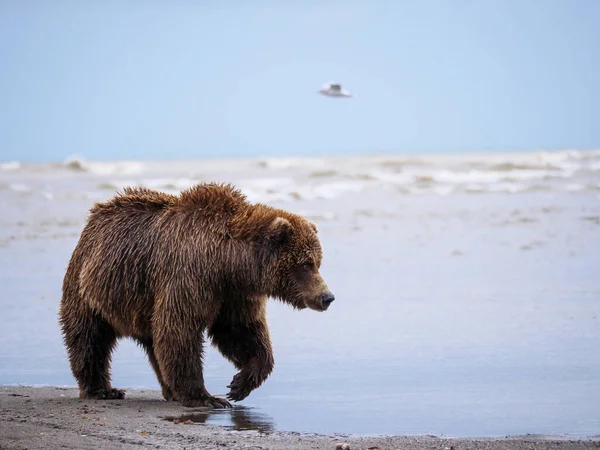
(334, 90)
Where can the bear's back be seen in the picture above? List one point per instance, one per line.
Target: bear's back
(206, 198)
(140, 199)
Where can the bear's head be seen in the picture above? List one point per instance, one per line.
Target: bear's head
(293, 260)
(288, 256)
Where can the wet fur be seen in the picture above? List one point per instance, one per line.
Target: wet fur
(165, 269)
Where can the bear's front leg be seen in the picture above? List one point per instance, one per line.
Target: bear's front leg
(248, 347)
(178, 346)
(249, 378)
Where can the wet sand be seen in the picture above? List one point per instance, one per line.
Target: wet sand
(50, 417)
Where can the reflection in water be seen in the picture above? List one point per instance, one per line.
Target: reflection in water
(238, 418)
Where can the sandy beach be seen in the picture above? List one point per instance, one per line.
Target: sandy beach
(49, 418)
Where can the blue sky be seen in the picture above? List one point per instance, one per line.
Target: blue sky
(154, 79)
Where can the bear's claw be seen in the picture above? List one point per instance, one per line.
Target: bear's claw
(220, 403)
(238, 389)
(168, 394)
(210, 401)
(105, 394)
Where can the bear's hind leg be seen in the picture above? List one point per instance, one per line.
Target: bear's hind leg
(148, 347)
(178, 346)
(89, 340)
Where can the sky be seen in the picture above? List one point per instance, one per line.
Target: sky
(151, 79)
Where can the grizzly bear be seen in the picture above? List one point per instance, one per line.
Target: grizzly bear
(164, 269)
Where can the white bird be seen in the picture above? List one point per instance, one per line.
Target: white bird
(334, 90)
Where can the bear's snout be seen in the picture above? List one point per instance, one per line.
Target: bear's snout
(327, 298)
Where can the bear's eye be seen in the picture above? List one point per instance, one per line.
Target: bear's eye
(307, 265)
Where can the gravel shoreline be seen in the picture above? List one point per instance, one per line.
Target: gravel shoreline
(53, 417)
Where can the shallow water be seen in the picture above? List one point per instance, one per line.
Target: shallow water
(239, 418)
(456, 312)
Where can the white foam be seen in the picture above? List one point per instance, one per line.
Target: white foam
(252, 195)
(294, 179)
(475, 188)
(443, 190)
(19, 187)
(441, 176)
(317, 215)
(389, 177)
(332, 190)
(574, 187)
(172, 184)
(10, 166)
(478, 176)
(325, 190)
(117, 185)
(293, 163)
(76, 162)
(510, 188)
(255, 196)
(119, 168)
(266, 185)
(460, 177)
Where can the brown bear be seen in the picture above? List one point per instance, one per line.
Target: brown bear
(164, 269)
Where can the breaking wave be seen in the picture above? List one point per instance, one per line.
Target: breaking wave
(306, 179)
(78, 164)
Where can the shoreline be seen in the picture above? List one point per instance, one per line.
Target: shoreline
(52, 417)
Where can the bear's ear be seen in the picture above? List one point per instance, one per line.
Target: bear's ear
(279, 230)
(313, 226)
